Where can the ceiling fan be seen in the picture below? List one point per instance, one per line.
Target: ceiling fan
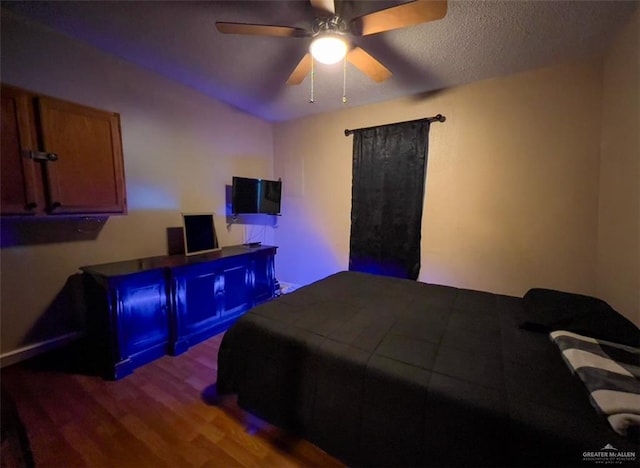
(331, 34)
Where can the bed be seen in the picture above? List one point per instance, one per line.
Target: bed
(382, 371)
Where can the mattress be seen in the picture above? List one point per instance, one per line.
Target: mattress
(382, 371)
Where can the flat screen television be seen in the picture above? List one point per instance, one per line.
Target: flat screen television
(199, 233)
(255, 196)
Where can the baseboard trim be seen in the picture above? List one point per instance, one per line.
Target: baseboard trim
(26, 352)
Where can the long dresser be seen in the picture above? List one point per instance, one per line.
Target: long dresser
(140, 310)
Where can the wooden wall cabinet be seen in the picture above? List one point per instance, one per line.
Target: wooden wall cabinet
(143, 309)
(59, 158)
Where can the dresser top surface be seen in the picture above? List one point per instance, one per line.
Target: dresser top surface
(139, 265)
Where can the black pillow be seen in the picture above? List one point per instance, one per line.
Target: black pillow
(549, 310)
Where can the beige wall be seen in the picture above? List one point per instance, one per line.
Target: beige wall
(511, 191)
(180, 150)
(619, 221)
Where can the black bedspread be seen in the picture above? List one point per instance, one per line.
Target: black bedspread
(387, 372)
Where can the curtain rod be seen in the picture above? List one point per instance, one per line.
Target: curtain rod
(436, 118)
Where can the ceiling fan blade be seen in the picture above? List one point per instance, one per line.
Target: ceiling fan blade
(301, 71)
(368, 65)
(260, 30)
(323, 8)
(400, 16)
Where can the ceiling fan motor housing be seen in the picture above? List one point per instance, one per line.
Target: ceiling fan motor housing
(334, 24)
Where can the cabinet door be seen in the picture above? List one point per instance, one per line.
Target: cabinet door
(20, 184)
(197, 294)
(264, 276)
(237, 287)
(207, 297)
(142, 317)
(88, 176)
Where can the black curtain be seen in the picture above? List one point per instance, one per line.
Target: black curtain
(389, 168)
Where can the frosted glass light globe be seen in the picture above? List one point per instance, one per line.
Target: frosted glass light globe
(328, 49)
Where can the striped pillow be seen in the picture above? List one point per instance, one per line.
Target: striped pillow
(611, 373)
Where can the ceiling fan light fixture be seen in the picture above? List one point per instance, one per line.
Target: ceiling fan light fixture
(328, 48)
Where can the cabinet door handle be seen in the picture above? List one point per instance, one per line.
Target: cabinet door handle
(39, 155)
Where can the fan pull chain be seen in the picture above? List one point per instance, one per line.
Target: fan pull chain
(313, 74)
(344, 80)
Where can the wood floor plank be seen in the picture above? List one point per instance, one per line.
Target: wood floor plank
(217, 456)
(161, 415)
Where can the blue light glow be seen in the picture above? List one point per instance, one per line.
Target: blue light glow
(376, 267)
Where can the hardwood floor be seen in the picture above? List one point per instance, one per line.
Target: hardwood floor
(165, 414)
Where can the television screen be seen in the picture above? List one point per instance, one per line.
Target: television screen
(199, 233)
(244, 195)
(255, 196)
(270, 192)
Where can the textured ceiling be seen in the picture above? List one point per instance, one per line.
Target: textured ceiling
(476, 40)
